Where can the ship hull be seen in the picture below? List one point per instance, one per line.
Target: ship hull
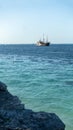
(40, 43)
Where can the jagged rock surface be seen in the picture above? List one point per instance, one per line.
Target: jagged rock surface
(14, 116)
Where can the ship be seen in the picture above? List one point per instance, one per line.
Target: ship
(43, 42)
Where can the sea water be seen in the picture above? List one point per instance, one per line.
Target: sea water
(41, 76)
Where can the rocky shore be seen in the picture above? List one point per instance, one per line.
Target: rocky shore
(14, 115)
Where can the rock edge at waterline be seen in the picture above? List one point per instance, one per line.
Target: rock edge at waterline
(14, 116)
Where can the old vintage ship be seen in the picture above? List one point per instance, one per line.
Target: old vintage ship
(43, 42)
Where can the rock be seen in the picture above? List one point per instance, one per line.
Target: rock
(14, 116)
(3, 87)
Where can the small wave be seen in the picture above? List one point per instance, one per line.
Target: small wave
(69, 82)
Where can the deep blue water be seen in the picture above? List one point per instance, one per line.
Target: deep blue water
(42, 77)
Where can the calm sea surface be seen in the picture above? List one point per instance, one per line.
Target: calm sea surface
(42, 77)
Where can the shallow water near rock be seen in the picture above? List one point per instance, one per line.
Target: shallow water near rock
(42, 77)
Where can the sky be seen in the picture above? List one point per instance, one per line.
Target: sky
(25, 21)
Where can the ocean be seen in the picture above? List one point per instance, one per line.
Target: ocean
(41, 76)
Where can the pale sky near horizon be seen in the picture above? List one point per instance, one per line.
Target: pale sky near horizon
(25, 21)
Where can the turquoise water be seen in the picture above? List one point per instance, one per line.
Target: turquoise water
(42, 77)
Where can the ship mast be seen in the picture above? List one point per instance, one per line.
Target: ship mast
(43, 38)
